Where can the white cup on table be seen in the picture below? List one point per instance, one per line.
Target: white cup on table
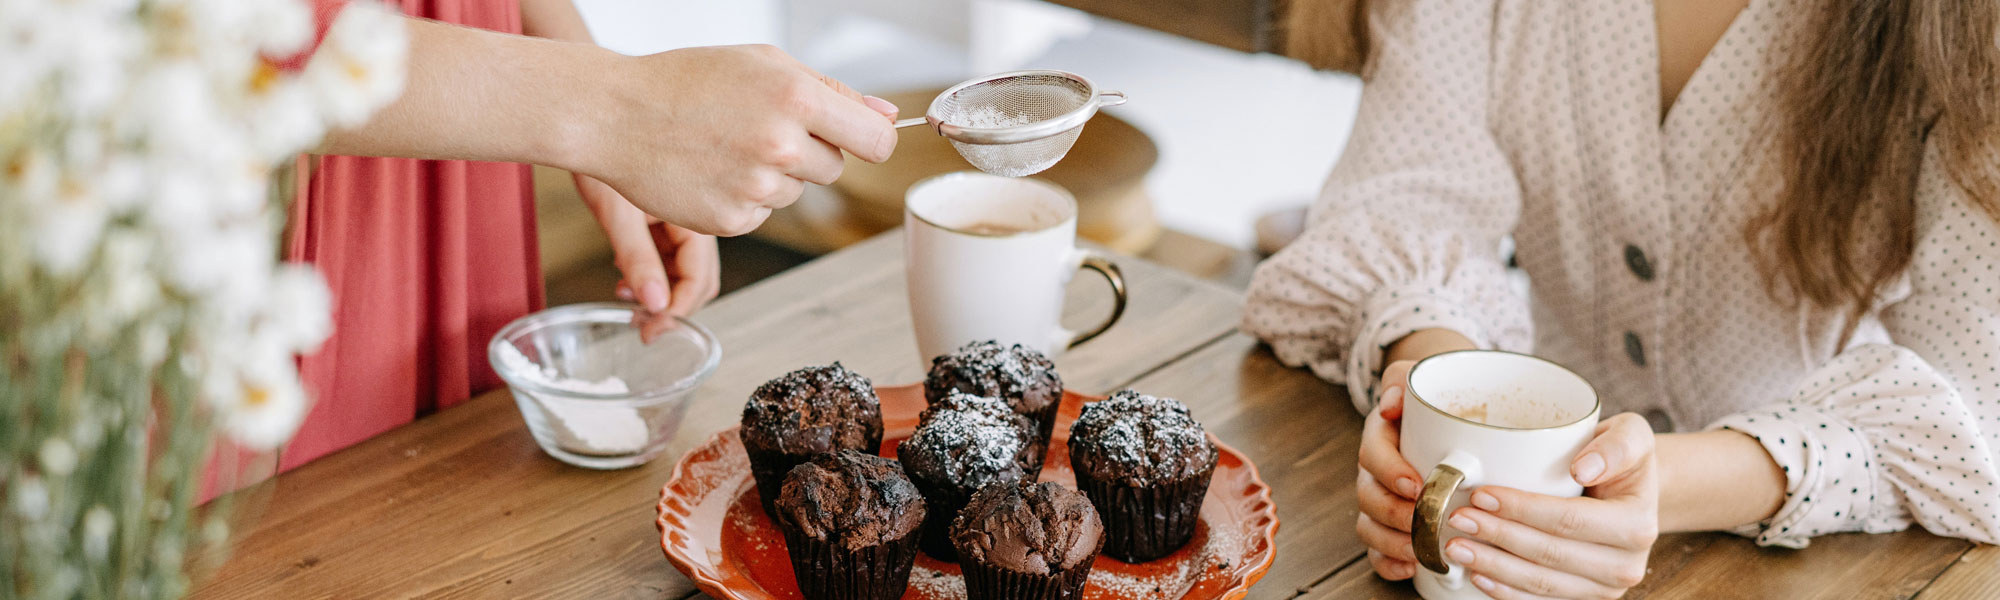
(1474, 418)
(989, 258)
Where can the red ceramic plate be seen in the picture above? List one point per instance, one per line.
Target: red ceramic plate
(713, 531)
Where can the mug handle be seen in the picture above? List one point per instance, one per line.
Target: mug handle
(1086, 259)
(1427, 521)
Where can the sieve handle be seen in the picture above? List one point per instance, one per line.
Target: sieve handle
(912, 121)
(1110, 98)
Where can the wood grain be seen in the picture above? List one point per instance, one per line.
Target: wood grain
(1715, 565)
(462, 503)
(1976, 574)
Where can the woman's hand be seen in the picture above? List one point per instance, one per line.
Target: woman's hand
(669, 275)
(1594, 546)
(1388, 486)
(714, 139)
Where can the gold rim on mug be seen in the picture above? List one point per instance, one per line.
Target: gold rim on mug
(1596, 402)
(1068, 198)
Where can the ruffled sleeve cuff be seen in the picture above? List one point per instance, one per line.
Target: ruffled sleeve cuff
(1874, 441)
(1390, 315)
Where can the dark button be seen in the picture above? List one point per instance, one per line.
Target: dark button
(1636, 259)
(1633, 350)
(1659, 421)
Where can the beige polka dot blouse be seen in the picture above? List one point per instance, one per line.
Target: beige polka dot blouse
(1541, 120)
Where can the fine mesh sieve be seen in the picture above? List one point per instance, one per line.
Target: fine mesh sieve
(1015, 123)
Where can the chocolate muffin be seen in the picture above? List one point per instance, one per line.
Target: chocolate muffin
(1020, 375)
(1027, 541)
(850, 522)
(806, 413)
(964, 443)
(1145, 463)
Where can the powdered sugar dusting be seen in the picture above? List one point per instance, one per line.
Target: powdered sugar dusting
(936, 585)
(970, 446)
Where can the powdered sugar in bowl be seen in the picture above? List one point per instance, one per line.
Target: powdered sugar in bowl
(592, 394)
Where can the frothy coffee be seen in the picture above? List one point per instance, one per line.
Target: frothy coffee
(1501, 409)
(991, 228)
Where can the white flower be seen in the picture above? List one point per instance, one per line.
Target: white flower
(130, 285)
(58, 457)
(67, 231)
(283, 26)
(359, 65)
(299, 311)
(270, 406)
(283, 118)
(31, 498)
(97, 526)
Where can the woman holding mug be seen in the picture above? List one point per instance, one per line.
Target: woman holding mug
(1767, 231)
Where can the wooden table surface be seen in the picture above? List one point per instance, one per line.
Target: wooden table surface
(462, 504)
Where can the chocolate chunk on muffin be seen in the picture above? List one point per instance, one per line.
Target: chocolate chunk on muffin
(1021, 376)
(851, 523)
(963, 443)
(806, 413)
(1145, 463)
(1027, 541)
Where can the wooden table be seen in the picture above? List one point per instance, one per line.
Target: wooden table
(462, 503)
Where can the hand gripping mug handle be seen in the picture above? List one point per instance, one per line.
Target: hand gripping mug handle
(1427, 521)
(1085, 259)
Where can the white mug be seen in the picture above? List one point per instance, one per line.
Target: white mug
(989, 258)
(1536, 416)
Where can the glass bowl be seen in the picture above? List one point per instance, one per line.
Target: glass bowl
(592, 394)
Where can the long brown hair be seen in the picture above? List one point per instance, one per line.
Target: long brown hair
(1870, 82)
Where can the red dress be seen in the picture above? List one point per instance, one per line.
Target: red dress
(426, 259)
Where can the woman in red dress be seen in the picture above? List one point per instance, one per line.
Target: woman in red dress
(426, 259)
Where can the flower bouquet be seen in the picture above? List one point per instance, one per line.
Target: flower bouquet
(147, 326)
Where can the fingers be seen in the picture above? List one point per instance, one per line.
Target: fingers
(644, 276)
(1611, 522)
(1391, 569)
(816, 162)
(846, 120)
(1380, 452)
(1622, 443)
(1616, 568)
(1518, 578)
(1396, 376)
(1389, 542)
(1382, 505)
(697, 272)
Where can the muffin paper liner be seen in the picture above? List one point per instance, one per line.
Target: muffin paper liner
(1146, 523)
(941, 507)
(825, 571)
(984, 582)
(1045, 423)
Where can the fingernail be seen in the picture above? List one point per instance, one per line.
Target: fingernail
(1588, 468)
(1460, 553)
(1461, 523)
(1485, 501)
(655, 296)
(624, 293)
(1394, 391)
(879, 105)
(1482, 582)
(1407, 486)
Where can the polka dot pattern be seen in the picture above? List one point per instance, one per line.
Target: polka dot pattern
(1540, 120)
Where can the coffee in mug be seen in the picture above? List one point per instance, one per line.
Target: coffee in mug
(1477, 417)
(990, 257)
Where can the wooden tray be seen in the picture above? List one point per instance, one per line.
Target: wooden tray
(712, 529)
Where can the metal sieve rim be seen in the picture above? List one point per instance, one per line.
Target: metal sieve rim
(983, 136)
